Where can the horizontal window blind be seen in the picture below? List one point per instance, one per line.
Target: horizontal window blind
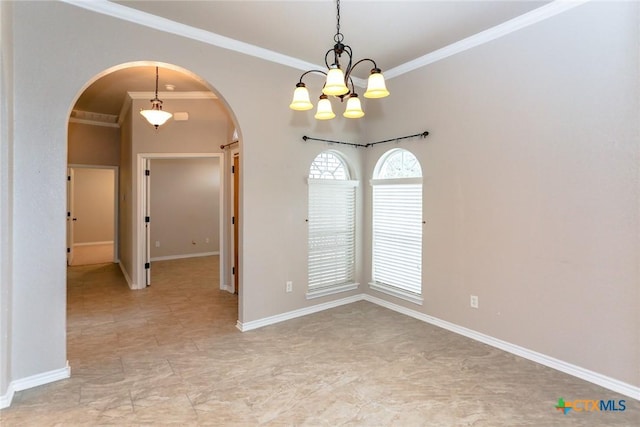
(397, 235)
(331, 233)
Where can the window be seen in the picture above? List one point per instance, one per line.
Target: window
(397, 226)
(332, 203)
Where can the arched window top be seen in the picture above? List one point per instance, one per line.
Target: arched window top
(329, 165)
(398, 163)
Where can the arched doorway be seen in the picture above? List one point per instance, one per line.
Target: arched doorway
(105, 130)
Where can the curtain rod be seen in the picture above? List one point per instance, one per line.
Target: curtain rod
(228, 145)
(370, 144)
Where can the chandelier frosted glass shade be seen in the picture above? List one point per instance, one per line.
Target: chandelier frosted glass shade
(301, 101)
(339, 82)
(354, 108)
(335, 84)
(376, 87)
(324, 111)
(156, 115)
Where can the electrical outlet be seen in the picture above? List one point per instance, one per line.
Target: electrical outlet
(289, 286)
(474, 301)
(157, 243)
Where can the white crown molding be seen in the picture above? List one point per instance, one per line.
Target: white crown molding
(162, 24)
(540, 14)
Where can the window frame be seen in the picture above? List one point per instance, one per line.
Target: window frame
(404, 291)
(321, 188)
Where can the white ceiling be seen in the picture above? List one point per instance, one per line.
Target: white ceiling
(390, 32)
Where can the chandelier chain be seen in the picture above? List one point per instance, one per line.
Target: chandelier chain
(339, 37)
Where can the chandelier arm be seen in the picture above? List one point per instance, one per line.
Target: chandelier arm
(311, 71)
(363, 60)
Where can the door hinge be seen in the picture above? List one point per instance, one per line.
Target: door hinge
(68, 177)
(147, 265)
(147, 219)
(68, 214)
(233, 169)
(233, 220)
(147, 172)
(233, 271)
(68, 250)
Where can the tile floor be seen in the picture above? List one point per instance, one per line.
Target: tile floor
(171, 355)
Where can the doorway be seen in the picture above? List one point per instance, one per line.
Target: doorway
(182, 200)
(92, 203)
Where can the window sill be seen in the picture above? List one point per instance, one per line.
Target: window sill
(395, 292)
(330, 290)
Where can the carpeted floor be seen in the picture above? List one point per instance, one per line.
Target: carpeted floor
(171, 355)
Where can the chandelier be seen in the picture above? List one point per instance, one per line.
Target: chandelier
(339, 82)
(156, 116)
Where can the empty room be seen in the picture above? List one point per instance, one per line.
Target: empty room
(385, 213)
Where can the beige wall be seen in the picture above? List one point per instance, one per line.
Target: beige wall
(6, 192)
(93, 205)
(531, 186)
(93, 145)
(204, 132)
(531, 177)
(185, 206)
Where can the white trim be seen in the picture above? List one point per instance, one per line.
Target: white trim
(126, 276)
(139, 228)
(5, 400)
(173, 95)
(116, 201)
(396, 292)
(110, 242)
(255, 324)
(396, 181)
(94, 123)
(533, 17)
(34, 381)
(169, 257)
(330, 290)
(172, 27)
(551, 362)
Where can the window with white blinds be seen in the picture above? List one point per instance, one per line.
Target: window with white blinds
(331, 225)
(397, 226)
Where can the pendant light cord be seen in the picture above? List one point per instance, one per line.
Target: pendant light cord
(156, 83)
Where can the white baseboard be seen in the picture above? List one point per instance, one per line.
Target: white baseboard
(255, 324)
(169, 257)
(33, 381)
(126, 276)
(5, 399)
(551, 362)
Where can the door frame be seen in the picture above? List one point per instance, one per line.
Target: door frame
(233, 153)
(142, 201)
(70, 207)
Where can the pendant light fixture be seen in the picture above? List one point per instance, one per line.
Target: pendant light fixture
(156, 116)
(338, 82)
